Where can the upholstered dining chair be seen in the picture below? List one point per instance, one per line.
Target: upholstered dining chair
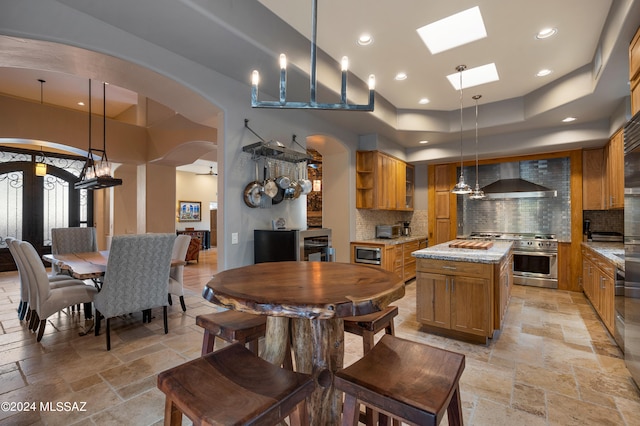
(72, 240)
(28, 292)
(136, 278)
(49, 300)
(176, 274)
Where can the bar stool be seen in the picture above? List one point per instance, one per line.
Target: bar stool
(233, 386)
(369, 325)
(232, 326)
(410, 381)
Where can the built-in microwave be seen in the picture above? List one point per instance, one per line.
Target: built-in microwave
(368, 255)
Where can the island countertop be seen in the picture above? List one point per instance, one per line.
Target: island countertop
(443, 252)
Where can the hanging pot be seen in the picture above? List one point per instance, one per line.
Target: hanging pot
(305, 183)
(253, 192)
(270, 186)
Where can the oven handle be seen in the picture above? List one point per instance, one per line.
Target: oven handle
(535, 253)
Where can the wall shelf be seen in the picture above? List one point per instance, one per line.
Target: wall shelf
(275, 152)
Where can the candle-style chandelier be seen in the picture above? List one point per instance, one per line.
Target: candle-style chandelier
(312, 104)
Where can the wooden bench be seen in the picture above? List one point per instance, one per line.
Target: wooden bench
(233, 386)
(381, 380)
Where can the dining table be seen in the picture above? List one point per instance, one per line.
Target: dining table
(305, 303)
(87, 265)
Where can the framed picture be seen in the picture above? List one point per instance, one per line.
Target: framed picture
(189, 211)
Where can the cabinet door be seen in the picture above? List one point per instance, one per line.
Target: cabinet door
(401, 185)
(607, 302)
(471, 305)
(615, 171)
(386, 183)
(409, 266)
(442, 230)
(433, 304)
(593, 179)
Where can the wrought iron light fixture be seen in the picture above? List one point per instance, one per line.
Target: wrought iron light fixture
(477, 193)
(96, 173)
(461, 187)
(312, 104)
(41, 166)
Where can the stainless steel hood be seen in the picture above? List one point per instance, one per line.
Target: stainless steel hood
(511, 186)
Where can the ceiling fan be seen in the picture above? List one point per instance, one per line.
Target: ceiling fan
(209, 173)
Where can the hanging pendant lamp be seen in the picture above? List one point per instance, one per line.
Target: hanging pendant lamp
(477, 193)
(97, 174)
(41, 166)
(461, 187)
(282, 102)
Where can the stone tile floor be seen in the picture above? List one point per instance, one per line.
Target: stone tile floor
(552, 364)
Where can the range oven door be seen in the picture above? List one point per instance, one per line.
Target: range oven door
(539, 269)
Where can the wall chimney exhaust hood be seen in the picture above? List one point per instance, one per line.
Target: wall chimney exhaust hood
(511, 186)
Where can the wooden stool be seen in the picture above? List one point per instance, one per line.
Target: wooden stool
(232, 326)
(410, 381)
(369, 325)
(233, 386)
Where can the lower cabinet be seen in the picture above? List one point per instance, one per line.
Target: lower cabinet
(598, 285)
(395, 256)
(456, 297)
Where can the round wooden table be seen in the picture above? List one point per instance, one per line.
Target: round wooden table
(315, 296)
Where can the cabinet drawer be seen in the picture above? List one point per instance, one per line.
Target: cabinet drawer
(409, 248)
(454, 268)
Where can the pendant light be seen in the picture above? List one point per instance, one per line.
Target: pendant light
(312, 104)
(97, 174)
(477, 193)
(41, 166)
(461, 187)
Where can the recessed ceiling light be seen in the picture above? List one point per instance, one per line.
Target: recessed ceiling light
(401, 76)
(81, 103)
(423, 142)
(546, 33)
(453, 31)
(543, 72)
(569, 119)
(423, 101)
(365, 39)
(474, 76)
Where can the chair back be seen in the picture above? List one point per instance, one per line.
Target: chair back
(72, 240)
(180, 247)
(137, 274)
(38, 279)
(12, 243)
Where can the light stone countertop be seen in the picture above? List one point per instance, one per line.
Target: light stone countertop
(443, 252)
(609, 251)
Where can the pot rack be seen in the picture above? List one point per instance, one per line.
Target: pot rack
(273, 150)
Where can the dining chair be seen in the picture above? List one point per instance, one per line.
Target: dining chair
(176, 274)
(50, 299)
(72, 240)
(136, 278)
(28, 292)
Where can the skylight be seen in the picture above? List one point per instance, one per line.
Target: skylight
(474, 76)
(453, 31)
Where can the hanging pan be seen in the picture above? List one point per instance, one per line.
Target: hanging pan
(253, 192)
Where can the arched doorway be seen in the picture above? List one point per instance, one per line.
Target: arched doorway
(32, 204)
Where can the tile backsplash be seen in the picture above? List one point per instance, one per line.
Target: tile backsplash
(526, 215)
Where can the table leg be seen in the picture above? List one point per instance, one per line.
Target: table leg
(276, 340)
(319, 349)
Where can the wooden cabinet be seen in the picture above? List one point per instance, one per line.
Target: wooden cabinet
(614, 165)
(383, 182)
(598, 285)
(396, 257)
(440, 186)
(634, 72)
(603, 175)
(593, 179)
(456, 298)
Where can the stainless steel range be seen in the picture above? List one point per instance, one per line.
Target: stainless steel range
(535, 257)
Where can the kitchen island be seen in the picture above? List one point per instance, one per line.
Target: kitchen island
(463, 293)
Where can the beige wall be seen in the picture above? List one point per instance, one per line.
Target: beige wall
(191, 187)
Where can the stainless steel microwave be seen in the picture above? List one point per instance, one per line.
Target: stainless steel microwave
(368, 255)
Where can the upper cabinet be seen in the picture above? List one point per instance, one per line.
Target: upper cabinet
(603, 175)
(383, 182)
(634, 72)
